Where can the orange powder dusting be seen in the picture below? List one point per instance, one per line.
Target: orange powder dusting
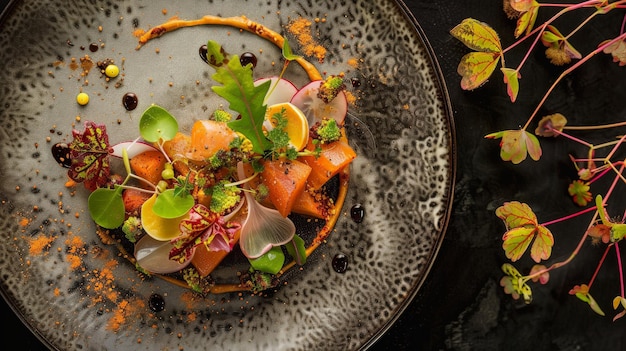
(24, 222)
(301, 28)
(39, 244)
(353, 62)
(74, 261)
(124, 311)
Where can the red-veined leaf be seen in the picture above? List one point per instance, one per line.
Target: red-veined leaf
(476, 67)
(516, 214)
(515, 241)
(542, 246)
(477, 36)
(511, 77)
(89, 152)
(526, 22)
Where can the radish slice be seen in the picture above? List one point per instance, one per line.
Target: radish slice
(283, 92)
(315, 109)
(133, 148)
(153, 255)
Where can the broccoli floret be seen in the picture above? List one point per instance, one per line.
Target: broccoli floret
(224, 197)
(329, 89)
(221, 116)
(132, 228)
(327, 131)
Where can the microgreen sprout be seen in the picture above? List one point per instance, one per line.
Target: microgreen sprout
(523, 228)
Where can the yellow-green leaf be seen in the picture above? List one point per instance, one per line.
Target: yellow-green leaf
(526, 22)
(476, 67)
(542, 246)
(516, 214)
(516, 241)
(511, 77)
(477, 36)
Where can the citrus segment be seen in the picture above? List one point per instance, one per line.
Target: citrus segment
(297, 125)
(158, 227)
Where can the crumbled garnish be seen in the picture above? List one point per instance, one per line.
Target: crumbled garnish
(326, 131)
(330, 88)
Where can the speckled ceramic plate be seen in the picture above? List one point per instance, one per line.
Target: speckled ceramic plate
(79, 293)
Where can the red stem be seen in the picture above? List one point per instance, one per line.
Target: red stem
(595, 274)
(621, 273)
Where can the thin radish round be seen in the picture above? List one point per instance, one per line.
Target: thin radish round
(279, 92)
(153, 255)
(133, 148)
(315, 108)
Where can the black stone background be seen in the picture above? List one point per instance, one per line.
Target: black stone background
(461, 306)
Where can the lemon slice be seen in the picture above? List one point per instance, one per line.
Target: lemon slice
(158, 227)
(297, 125)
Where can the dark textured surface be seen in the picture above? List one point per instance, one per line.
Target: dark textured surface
(461, 306)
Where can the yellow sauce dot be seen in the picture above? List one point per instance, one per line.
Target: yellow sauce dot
(82, 99)
(112, 71)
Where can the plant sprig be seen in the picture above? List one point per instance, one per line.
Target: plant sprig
(523, 229)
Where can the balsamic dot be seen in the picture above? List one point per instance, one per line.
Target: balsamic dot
(340, 263)
(156, 303)
(357, 213)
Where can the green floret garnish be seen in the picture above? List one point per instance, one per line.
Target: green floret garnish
(195, 282)
(224, 197)
(132, 228)
(221, 116)
(330, 88)
(258, 281)
(328, 131)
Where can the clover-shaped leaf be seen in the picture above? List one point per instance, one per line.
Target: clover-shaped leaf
(514, 284)
(516, 145)
(617, 50)
(522, 229)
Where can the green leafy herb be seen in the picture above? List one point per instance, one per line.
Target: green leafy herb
(157, 124)
(242, 95)
(297, 250)
(170, 205)
(270, 262)
(106, 207)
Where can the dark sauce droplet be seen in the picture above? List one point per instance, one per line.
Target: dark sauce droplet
(156, 303)
(356, 82)
(93, 47)
(340, 263)
(248, 57)
(203, 53)
(130, 101)
(357, 213)
(61, 153)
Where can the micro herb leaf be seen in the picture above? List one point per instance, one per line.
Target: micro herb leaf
(287, 53)
(477, 36)
(169, 205)
(297, 250)
(475, 68)
(106, 207)
(526, 21)
(157, 124)
(243, 96)
(511, 79)
(89, 152)
(522, 228)
(516, 145)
